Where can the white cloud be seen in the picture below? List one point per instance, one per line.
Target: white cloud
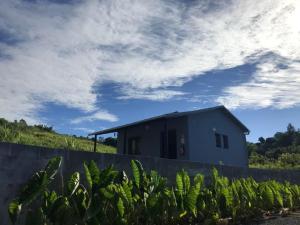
(100, 115)
(154, 95)
(271, 86)
(63, 51)
(84, 129)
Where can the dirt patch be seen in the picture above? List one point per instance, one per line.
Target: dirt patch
(292, 219)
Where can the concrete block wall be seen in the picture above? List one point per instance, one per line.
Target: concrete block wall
(19, 162)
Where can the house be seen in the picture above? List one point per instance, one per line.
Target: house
(211, 135)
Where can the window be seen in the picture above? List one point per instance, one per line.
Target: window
(134, 146)
(225, 142)
(218, 140)
(222, 141)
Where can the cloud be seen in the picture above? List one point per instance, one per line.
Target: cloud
(84, 129)
(100, 115)
(58, 53)
(154, 95)
(275, 84)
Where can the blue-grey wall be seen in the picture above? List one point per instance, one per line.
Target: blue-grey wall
(202, 144)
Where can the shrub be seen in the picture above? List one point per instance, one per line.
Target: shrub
(108, 196)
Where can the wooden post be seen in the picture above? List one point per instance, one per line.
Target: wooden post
(95, 142)
(124, 140)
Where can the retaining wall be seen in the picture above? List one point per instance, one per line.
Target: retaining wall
(19, 162)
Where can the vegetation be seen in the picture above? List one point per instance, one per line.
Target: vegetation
(280, 151)
(110, 141)
(42, 135)
(109, 197)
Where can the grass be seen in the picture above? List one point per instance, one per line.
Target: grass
(54, 140)
(20, 133)
(284, 161)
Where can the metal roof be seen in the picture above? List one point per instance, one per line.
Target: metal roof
(174, 115)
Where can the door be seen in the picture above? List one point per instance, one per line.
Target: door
(172, 144)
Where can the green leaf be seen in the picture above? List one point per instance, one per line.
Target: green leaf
(137, 171)
(201, 204)
(61, 211)
(108, 192)
(121, 207)
(191, 200)
(267, 196)
(198, 180)
(288, 198)
(35, 186)
(276, 192)
(127, 192)
(225, 200)
(14, 210)
(52, 197)
(186, 181)
(73, 183)
(53, 166)
(95, 172)
(182, 214)
(179, 183)
(49, 199)
(88, 176)
(214, 177)
(108, 176)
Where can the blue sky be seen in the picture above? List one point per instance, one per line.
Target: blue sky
(82, 66)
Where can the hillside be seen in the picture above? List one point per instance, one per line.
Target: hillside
(41, 135)
(280, 151)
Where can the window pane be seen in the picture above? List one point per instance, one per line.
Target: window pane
(134, 146)
(225, 141)
(218, 140)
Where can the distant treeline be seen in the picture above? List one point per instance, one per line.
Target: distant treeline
(280, 151)
(22, 125)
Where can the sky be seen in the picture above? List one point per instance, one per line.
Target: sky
(86, 65)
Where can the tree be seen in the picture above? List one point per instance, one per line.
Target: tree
(110, 141)
(3, 122)
(297, 138)
(290, 129)
(23, 123)
(283, 139)
(251, 148)
(261, 140)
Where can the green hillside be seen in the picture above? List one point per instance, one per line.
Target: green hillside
(41, 135)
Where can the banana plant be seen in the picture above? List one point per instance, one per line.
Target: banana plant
(36, 185)
(109, 196)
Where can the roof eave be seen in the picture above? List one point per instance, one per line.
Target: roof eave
(172, 115)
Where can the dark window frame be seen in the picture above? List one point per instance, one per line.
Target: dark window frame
(218, 140)
(225, 141)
